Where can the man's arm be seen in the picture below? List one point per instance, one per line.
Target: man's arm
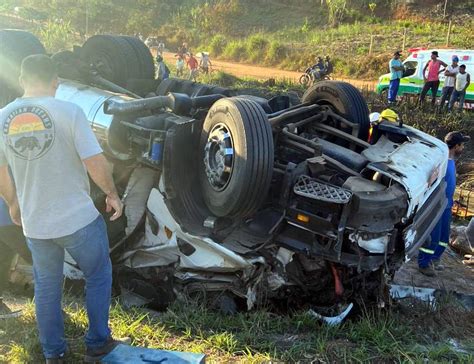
(99, 171)
(8, 192)
(424, 70)
(468, 82)
(90, 152)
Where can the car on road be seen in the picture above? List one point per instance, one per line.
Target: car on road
(243, 200)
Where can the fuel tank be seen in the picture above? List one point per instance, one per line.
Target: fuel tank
(112, 135)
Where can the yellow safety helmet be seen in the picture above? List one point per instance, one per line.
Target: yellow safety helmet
(390, 115)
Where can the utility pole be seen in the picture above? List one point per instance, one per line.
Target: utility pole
(445, 6)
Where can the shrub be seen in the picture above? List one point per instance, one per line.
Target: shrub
(256, 48)
(217, 45)
(235, 50)
(56, 36)
(276, 52)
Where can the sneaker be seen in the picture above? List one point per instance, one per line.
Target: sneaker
(437, 265)
(5, 311)
(428, 271)
(94, 355)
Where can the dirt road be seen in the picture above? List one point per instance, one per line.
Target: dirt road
(264, 73)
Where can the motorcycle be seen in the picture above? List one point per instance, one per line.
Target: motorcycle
(310, 77)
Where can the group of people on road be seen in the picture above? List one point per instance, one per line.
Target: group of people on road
(456, 82)
(184, 59)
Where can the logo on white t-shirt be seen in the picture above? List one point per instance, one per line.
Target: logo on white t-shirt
(29, 132)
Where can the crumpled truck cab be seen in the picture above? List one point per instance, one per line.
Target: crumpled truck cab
(258, 200)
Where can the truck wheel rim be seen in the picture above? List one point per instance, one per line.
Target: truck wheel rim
(219, 157)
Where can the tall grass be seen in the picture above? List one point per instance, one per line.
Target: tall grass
(348, 44)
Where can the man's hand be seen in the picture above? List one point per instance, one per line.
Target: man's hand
(100, 172)
(15, 213)
(114, 203)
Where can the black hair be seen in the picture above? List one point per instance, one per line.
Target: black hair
(462, 66)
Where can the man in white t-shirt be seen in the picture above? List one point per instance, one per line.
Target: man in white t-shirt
(463, 80)
(450, 73)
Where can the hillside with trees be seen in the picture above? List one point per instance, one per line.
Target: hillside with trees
(359, 34)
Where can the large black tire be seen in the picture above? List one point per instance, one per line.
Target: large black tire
(119, 58)
(345, 99)
(15, 45)
(112, 56)
(144, 56)
(251, 162)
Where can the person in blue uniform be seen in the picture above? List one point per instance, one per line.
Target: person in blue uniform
(429, 255)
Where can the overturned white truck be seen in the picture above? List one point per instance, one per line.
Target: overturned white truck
(251, 199)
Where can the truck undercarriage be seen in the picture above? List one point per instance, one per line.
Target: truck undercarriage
(251, 199)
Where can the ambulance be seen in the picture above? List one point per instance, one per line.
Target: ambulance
(412, 80)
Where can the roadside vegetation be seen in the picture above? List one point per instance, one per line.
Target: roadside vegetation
(360, 35)
(408, 332)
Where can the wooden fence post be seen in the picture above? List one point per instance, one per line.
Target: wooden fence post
(448, 36)
(404, 39)
(371, 44)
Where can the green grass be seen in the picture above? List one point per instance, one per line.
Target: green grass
(348, 45)
(401, 334)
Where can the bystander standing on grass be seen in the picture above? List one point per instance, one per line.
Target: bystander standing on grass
(463, 80)
(396, 72)
(450, 73)
(432, 79)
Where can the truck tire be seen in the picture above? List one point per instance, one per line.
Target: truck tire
(114, 58)
(143, 54)
(345, 99)
(237, 157)
(15, 45)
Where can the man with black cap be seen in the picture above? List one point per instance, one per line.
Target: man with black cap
(430, 254)
(432, 79)
(396, 73)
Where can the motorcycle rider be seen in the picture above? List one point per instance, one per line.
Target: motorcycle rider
(328, 66)
(317, 69)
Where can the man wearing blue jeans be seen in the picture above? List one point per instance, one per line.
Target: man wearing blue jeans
(430, 254)
(50, 148)
(463, 80)
(396, 73)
